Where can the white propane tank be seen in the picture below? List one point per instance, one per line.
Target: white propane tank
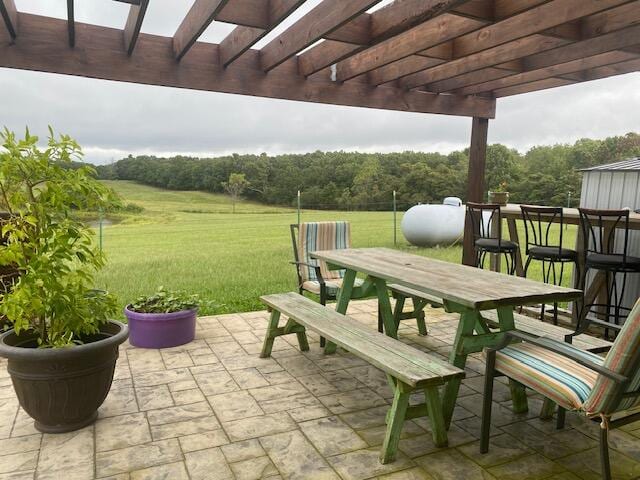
(430, 225)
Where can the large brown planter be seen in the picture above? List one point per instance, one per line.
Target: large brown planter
(62, 388)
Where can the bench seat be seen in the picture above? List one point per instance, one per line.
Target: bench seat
(407, 368)
(538, 328)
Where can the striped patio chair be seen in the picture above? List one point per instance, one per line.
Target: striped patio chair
(604, 389)
(313, 275)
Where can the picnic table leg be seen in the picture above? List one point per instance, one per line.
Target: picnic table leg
(458, 357)
(518, 393)
(342, 303)
(395, 417)
(384, 306)
(271, 334)
(436, 416)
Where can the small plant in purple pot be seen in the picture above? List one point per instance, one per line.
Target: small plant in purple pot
(163, 319)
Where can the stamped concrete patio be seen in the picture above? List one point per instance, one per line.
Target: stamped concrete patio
(213, 410)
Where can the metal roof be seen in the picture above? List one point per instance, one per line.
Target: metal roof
(631, 164)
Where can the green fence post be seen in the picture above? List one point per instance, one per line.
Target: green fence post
(298, 207)
(100, 229)
(395, 220)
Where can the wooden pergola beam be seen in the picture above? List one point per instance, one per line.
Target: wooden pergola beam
(391, 20)
(134, 24)
(10, 17)
(421, 37)
(242, 38)
(596, 73)
(199, 17)
(574, 66)
(41, 46)
(324, 18)
(71, 23)
(454, 74)
(566, 59)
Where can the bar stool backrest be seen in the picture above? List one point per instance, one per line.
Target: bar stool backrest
(538, 229)
(482, 217)
(599, 231)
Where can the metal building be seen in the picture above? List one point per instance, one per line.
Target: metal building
(616, 185)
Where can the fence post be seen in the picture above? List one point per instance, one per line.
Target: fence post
(395, 221)
(100, 228)
(298, 207)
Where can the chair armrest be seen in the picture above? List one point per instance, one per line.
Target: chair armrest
(557, 347)
(315, 267)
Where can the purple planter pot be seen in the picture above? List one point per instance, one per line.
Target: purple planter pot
(161, 330)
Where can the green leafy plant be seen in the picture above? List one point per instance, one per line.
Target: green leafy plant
(165, 301)
(55, 253)
(502, 187)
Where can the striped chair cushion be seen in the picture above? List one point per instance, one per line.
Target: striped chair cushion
(556, 377)
(333, 286)
(316, 236)
(622, 359)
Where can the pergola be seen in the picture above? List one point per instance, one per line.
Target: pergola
(451, 57)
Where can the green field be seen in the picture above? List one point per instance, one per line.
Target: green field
(191, 241)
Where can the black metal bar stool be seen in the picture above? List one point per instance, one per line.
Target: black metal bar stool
(486, 222)
(544, 244)
(606, 252)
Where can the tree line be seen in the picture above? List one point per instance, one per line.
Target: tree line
(365, 181)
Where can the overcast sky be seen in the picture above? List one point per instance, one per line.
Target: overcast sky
(113, 119)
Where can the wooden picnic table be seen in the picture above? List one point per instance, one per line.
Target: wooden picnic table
(465, 290)
(511, 212)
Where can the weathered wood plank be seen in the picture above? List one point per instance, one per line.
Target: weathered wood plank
(71, 23)
(403, 362)
(582, 63)
(428, 34)
(539, 328)
(10, 16)
(325, 17)
(487, 58)
(242, 38)
(42, 46)
(134, 24)
(199, 17)
(382, 24)
(534, 20)
(470, 287)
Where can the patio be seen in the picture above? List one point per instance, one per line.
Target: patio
(212, 409)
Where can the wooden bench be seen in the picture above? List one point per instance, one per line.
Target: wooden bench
(539, 328)
(407, 368)
(419, 300)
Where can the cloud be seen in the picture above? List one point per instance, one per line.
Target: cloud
(113, 119)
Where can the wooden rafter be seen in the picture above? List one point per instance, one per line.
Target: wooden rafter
(10, 17)
(100, 55)
(133, 25)
(199, 17)
(243, 38)
(419, 38)
(391, 20)
(567, 59)
(327, 16)
(71, 23)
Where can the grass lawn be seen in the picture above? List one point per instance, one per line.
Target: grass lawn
(191, 241)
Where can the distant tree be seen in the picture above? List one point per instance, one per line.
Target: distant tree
(235, 187)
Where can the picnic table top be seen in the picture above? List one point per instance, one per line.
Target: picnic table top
(467, 286)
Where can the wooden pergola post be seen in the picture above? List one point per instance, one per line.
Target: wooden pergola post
(475, 181)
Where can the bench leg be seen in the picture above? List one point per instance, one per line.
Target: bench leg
(342, 303)
(395, 421)
(418, 309)
(436, 416)
(547, 410)
(271, 334)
